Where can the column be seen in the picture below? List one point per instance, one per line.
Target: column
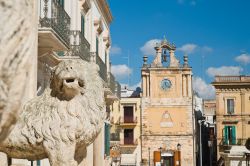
(148, 85)
(98, 155)
(184, 85)
(242, 95)
(90, 156)
(189, 86)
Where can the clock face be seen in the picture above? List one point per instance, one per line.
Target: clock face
(166, 84)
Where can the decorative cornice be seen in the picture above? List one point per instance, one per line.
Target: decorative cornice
(86, 5)
(105, 10)
(99, 26)
(107, 41)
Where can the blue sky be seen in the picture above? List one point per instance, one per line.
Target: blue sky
(214, 33)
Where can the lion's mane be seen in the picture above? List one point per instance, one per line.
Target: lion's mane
(48, 118)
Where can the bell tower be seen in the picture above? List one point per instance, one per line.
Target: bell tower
(167, 118)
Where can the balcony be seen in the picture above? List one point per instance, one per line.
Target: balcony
(128, 120)
(112, 83)
(54, 26)
(79, 45)
(232, 79)
(102, 68)
(226, 144)
(118, 90)
(129, 142)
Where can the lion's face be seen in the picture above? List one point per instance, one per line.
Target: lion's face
(67, 81)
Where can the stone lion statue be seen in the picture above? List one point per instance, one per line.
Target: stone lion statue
(64, 120)
(18, 45)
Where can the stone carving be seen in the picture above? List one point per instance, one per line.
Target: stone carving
(18, 44)
(65, 119)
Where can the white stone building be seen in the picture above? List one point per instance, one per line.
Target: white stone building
(75, 29)
(125, 130)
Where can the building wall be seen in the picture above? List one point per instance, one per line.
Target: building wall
(156, 134)
(128, 152)
(238, 89)
(167, 111)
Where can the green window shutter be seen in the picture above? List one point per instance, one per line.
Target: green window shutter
(225, 138)
(107, 139)
(82, 24)
(38, 163)
(60, 53)
(61, 2)
(233, 135)
(97, 45)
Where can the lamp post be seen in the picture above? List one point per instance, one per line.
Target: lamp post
(161, 161)
(200, 124)
(179, 153)
(247, 159)
(210, 145)
(148, 156)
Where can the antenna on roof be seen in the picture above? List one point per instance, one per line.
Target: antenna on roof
(128, 58)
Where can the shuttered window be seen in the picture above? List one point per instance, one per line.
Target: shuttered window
(82, 24)
(61, 2)
(229, 135)
(107, 139)
(230, 106)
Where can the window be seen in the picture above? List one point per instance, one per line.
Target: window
(97, 46)
(61, 2)
(128, 136)
(230, 106)
(82, 24)
(229, 137)
(107, 139)
(128, 114)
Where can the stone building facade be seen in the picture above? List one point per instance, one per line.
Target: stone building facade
(167, 134)
(125, 130)
(232, 119)
(74, 29)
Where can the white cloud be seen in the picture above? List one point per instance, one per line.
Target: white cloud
(243, 59)
(191, 48)
(148, 48)
(204, 90)
(191, 2)
(224, 70)
(132, 87)
(188, 48)
(205, 49)
(120, 71)
(115, 50)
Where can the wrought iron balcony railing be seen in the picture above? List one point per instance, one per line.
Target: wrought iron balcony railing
(114, 136)
(52, 15)
(128, 119)
(79, 45)
(129, 141)
(112, 83)
(102, 67)
(230, 142)
(118, 90)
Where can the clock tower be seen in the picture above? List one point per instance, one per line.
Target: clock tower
(167, 118)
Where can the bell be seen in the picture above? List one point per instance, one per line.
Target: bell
(164, 58)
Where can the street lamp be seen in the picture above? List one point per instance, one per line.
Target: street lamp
(179, 153)
(148, 156)
(247, 159)
(160, 155)
(210, 145)
(200, 124)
